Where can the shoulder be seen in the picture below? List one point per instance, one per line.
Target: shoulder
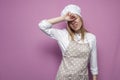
(90, 36)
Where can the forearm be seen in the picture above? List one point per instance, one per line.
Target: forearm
(94, 77)
(56, 20)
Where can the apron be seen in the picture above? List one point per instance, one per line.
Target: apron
(74, 64)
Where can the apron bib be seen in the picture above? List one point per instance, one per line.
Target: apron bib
(74, 64)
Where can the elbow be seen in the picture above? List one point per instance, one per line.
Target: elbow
(43, 25)
(39, 25)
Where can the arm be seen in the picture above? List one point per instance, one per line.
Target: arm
(67, 17)
(56, 20)
(93, 59)
(46, 25)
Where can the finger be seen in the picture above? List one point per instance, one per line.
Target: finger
(72, 15)
(72, 19)
(69, 13)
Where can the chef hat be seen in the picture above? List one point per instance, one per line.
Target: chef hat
(71, 8)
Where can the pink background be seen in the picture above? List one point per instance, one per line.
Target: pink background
(26, 53)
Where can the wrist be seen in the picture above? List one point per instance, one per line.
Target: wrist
(94, 77)
(63, 18)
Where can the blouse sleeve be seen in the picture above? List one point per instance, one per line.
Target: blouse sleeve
(93, 58)
(46, 27)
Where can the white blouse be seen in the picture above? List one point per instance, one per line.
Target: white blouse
(61, 35)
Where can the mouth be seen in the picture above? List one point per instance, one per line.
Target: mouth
(75, 25)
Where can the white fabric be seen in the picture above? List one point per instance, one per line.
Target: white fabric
(71, 8)
(61, 35)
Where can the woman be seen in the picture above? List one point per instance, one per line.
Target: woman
(78, 46)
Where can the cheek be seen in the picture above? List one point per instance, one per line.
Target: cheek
(80, 23)
(71, 25)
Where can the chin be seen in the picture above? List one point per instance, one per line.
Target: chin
(76, 29)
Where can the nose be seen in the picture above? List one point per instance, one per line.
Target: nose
(74, 22)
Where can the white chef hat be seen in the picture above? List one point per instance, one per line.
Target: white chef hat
(71, 8)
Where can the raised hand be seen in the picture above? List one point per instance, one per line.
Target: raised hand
(69, 17)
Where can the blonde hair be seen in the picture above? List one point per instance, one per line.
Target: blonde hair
(82, 30)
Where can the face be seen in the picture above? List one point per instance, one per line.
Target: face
(76, 24)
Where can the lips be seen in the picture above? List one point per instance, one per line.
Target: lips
(75, 24)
